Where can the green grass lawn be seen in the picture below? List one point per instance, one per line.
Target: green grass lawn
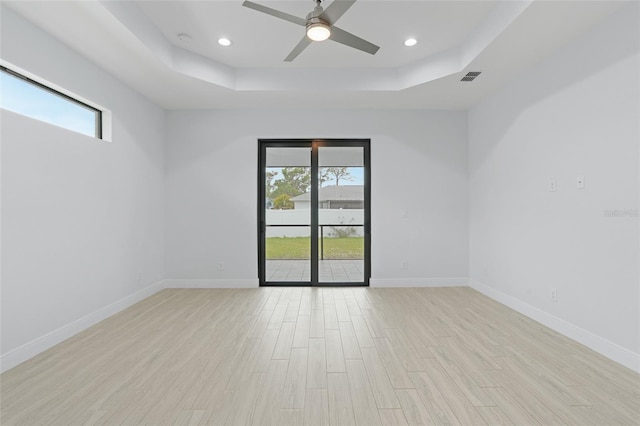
(279, 248)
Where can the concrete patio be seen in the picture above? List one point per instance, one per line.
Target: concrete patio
(329, 270)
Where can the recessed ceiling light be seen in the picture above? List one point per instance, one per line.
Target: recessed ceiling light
(410, 42)
(184, 38)
(224, 42)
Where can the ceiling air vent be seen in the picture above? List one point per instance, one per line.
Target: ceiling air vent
(470, 76)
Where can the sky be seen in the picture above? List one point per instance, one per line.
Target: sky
(28, 99)
(358, 177)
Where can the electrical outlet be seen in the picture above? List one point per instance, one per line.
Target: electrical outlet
(554, 295)
(552, 185)
(403, 264)
(580, 182)
(220, 266)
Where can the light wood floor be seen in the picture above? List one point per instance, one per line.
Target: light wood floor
(319, 356)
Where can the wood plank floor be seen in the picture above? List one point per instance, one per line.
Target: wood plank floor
(319, 356)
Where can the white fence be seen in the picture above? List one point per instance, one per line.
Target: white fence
(347, 219)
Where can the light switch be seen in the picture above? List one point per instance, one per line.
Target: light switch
(580, 182)
(404, 213)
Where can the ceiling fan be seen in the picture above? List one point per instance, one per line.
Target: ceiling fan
(320, 25)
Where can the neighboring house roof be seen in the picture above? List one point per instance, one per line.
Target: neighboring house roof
(336, 193)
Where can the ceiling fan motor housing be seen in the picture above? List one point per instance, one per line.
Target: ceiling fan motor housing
(315, 13)
(314, 21)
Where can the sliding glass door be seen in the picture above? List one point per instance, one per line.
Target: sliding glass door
(287, 230)
(341, 219)
(314, 219)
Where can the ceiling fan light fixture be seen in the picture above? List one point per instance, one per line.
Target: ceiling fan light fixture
(318, 30)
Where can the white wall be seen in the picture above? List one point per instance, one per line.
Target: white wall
(81, 218)
(418, 163)
(575, 114)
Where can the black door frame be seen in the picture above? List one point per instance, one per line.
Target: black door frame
(313, 145)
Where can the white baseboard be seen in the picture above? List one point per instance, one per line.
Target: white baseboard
(599, 344)
(211, 283)
(41, 344)
(418, 282)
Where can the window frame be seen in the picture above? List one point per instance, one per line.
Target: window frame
(98, 112)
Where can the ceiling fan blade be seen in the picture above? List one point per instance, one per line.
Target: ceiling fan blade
(304, 42)
(348, 39)
(335, 10)
(276, 13)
